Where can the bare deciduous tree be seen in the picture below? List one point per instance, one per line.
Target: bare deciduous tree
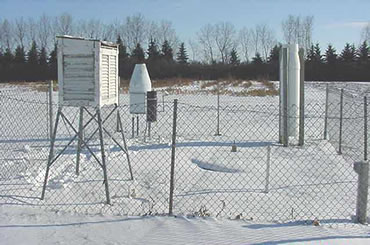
(205, 37)
(20, 31)
(194, 49)
(6, 30)
(167, 32)
(267, 39)
(365, 33)
(64, 24)
(224, 36)
(298, 30)
(44, 31)
(245, 40)
(134, 31)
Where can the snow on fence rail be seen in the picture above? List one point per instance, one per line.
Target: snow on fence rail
(241, 173)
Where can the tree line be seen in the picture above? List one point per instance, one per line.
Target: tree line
(28, 49)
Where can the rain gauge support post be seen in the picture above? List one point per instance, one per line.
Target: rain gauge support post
(140, 85)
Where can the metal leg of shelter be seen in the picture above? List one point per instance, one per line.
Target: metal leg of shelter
(125, 145)
(79, 144)
(51, 153)
(96, 130)
(103, 155)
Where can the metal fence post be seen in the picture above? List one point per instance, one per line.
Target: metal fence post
(362, 169)
(218, 110)
(285, 98)
(340, 121)
(267, 181)
(301, 99)
(326, 112)
(49, 105)
(365, 128)
(173, 156)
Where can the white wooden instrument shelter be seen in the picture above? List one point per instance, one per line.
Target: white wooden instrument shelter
(88, 79)
(87, 72)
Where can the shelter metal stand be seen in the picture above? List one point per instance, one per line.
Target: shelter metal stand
(84, 143)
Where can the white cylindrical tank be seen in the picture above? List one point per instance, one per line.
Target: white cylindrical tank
(293, 87)
(140, 84)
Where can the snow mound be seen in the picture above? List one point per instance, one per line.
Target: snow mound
(214, 167)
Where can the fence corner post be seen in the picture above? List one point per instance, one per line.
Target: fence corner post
(362, 169)
(174, 125)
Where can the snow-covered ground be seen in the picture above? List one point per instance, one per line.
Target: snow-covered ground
(261, 181)
(24, 225)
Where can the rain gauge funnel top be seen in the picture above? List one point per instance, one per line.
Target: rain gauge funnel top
(140, 84)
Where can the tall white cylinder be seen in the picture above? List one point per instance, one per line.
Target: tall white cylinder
(293, 87)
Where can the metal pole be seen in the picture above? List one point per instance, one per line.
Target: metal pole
(117, 121)
(149, 127)
(365, 128)
(133, 127)
(267, 183)
(103, 156)
(362, 169)
(51, 153)
(163, 101)
(280, 93)
(340, 121)
(125, 145)
(137, 125)
(79, 143)
(173, 156)
(285, 98)
(301, 99)
(326, 113)
(51, 107)
(218, 110)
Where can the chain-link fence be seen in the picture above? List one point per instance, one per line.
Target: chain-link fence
(226, 160)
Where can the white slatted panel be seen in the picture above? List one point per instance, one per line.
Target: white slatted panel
(104, 79)
(78, 77)
(112, 76)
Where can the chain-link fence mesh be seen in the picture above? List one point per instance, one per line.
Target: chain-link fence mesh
(228, 160)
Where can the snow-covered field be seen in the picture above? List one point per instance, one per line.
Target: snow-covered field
(261, 181)
(24, 225)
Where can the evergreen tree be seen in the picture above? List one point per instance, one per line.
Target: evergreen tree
(138, 54)
(363, 53)
(348, 54)
(317, 57)
(152, 52)
(310, 54)
(167, 52)
(53, 56)
(257, 60)
(330, 55)
(8, 57)
(274, 54)
(182, 56)
(234, 59)
(122, 49)
(33, 54)
(20, 55)
(43, 57)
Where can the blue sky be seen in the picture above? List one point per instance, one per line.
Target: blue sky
(335, 21)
